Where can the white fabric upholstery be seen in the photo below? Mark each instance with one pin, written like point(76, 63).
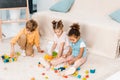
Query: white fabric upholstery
point(99, 31)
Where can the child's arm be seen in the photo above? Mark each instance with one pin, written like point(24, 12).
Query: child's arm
point(14, 40)
point(12, 50)
point(53, 47)
point(80, 54)
point(37, 41)
point(39, 50)
point(78, 57)
point(61, 49)
point(68, 53)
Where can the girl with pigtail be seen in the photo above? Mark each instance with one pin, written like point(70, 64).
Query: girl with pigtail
point(76, 55)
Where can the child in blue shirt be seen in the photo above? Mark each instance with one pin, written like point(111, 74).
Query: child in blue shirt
point(76, 55)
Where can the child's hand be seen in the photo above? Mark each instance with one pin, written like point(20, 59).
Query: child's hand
point(58, 56)
point(64, 55)
point(70, 62)
point(12, 54)
point(41, 51)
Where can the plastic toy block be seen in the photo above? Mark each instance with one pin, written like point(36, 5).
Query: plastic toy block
point(18, 53)
point(92, 71)
point(10, 60)
point(86, 72)
point(39, 63)
point(78, 69)
point(65, 66)
point(54, 54)
point(46, 77)
point(79, 76)
point(56, 71)
point(3, 57)
point(43, 74)
point(32, 78)
point(61, 68)
point(48, 57)
point(84, 79)
point(87, 76)
point(75, 73)
point(6, 60)
point(65, 76)
point(6, 56)
point(52, 68)
point(14, 59)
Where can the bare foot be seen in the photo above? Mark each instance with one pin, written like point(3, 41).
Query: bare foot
point(32, 55)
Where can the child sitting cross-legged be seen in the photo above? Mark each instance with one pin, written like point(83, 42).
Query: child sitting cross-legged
point(76, 55)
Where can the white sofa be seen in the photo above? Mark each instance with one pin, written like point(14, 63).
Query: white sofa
point(100, 32)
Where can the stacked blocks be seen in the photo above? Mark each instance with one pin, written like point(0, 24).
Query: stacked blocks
point(7, 58)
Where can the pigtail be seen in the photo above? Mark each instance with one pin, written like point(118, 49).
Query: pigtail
point(75, 26)
point(60, 24)
point(75, 30)
point(57, 25)
point(54, 24)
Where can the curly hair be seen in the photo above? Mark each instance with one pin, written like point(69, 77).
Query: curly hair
point(31, 25)
point(74, 30)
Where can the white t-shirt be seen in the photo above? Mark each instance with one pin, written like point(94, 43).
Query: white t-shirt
point(82, 45)
point(61, 39)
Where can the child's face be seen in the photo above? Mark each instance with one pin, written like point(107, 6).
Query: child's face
point(28, 31)
point(73, 39)
point(58, 32)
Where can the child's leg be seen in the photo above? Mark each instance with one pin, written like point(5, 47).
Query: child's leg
point(60, 60)
point(79, 62)
point(57, 61)
point(29, 50)
point(22, 42)
point(72, 69)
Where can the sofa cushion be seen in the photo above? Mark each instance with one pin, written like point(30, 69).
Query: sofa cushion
point(62, 6)
point(115, 15)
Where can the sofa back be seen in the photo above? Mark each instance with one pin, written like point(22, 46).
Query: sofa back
point(101, 35)
point(95, 7)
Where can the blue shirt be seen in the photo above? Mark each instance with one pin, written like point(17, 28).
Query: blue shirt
point(76, 48)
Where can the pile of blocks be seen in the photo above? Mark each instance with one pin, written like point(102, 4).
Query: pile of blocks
point(6, 58)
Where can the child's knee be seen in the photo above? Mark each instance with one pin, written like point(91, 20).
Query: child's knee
point(22, 41)
point(29, 52)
